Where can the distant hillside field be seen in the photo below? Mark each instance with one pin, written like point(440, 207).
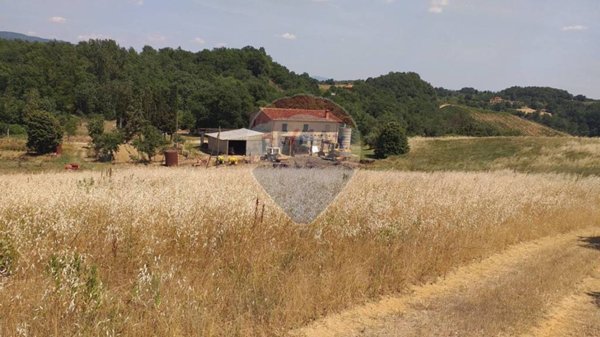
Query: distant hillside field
point(575, 114)
point(523, 154)
point(505, 123)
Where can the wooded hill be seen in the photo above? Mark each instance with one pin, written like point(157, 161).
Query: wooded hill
point(558, 109)
point(219, 87)
point(222, 87)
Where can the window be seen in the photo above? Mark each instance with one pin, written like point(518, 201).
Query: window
point(284, 127)
point(305, 128)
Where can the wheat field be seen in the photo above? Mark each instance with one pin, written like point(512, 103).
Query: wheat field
point(177, 252)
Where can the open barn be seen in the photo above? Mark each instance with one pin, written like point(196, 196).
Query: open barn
point(241, 142)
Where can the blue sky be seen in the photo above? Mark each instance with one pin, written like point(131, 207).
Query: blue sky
point(486, 44)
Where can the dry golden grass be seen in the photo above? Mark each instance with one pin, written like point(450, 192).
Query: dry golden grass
point(505, 121)
point(506, 301)
point(174, 252)
point(577, 315)
point(13, 144)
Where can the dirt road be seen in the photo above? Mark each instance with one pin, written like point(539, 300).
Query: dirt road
point(548, 287)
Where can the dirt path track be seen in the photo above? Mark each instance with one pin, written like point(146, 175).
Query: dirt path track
point(540, 288)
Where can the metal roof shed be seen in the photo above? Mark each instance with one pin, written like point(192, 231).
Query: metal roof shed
point(237, 142)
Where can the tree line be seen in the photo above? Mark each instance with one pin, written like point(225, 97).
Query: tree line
point(173, 88)
point(210, 88)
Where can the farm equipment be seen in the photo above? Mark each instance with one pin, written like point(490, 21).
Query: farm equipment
point(274, 155)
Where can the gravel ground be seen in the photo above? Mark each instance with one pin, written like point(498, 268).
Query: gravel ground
point(303, 193)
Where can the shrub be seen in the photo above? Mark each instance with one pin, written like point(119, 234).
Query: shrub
point(69, 123)
point(391, 140)
point(149, 141)
point(12, 129)
point(95, 126)
point(75, 281)
point(44, 132)
point(107, 144)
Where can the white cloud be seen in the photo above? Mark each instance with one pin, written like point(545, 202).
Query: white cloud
point(221, 45)
point(573, 28)
point(138, 2)
point(86, 37)
point(199, 40)
point(57, 19)
point(156, 38)
point(288, 36)
point(437, 6)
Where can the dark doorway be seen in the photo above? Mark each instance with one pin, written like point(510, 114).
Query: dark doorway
point(237, 147)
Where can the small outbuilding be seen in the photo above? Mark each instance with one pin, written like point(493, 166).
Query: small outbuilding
point(241, 142)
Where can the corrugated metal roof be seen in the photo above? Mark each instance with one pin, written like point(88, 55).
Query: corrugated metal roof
point(239, 134)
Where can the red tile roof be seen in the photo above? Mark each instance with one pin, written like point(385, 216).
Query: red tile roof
point(300, 114)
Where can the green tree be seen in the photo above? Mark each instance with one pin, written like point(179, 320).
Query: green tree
point(391, 140)
point(44, 132)
point(186, 119)
point(149, 141)
point(132, 123)
point(95, 126)
point(32, 102)
point(69, 124)
point(107, 144)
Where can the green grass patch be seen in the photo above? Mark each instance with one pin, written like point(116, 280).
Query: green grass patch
point(14, 158)
point(522, 154)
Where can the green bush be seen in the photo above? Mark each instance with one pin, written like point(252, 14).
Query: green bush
point(149, 141)
point(44, 132)
point(391, 140)
point(107, 144)
point(75, 279)
point(95, 126)
point(12, 129)
point(69, 123)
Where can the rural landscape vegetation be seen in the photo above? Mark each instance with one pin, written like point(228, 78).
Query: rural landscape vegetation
point(458, 212)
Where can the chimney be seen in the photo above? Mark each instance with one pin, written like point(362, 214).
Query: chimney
point(326, 114)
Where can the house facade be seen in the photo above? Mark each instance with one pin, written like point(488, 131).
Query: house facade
point(298, 130)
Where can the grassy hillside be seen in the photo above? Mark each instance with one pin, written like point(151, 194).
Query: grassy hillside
point(500, 123)
point(522, 154)
point(575, 114)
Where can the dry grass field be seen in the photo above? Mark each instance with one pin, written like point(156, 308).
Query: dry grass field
point(518, 292)
point(178, 252)
point(573, 155)
point(506, 121)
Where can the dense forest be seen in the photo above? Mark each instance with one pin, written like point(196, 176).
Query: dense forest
point(223, 87)
point(217, 88)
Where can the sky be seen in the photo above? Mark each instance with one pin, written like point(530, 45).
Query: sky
point(485, 44)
